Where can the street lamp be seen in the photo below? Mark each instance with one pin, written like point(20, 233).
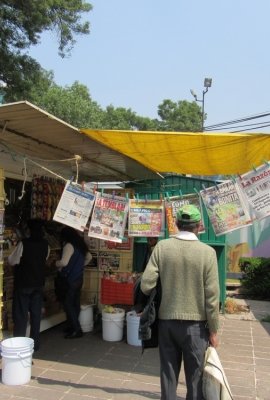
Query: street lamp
point(207, 85)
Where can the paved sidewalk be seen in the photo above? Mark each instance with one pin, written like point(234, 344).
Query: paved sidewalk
point(90, 368)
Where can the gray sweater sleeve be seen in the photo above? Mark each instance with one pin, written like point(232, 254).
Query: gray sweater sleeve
point(212, 294)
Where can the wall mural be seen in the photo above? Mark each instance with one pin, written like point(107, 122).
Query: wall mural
point(251, 241)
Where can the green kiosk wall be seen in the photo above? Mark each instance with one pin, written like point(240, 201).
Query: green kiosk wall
point(174, 185)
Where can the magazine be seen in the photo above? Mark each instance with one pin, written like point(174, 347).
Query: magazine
point(172, 205)
point(146, 218)
point(109, 218)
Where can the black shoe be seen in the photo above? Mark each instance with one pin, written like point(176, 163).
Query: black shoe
point(67, 330)
point(74, 335)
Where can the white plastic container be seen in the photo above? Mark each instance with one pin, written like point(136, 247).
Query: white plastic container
point(133, 322)
point(86, 317)
point(113, 325)
point(17, 360)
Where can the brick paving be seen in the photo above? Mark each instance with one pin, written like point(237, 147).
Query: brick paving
point(91, 368)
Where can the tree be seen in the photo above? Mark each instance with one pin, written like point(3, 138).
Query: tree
point(36, 83)
point(72, 104)
point(119, 118)
point(181, 116)
point(21, 24)
point(126, 119)
point(146, 124)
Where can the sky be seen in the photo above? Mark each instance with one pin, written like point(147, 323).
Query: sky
point(142, 52)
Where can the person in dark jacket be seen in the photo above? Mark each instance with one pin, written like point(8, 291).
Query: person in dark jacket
point(29, 258)
point(151, 242)
point(75, 256)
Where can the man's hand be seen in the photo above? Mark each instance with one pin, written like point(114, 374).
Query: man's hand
point(213, 339)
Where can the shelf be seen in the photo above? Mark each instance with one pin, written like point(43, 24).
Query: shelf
point(49, 322)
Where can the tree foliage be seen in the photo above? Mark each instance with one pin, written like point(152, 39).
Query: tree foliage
point(21, 24)
point(126, 119)
point(180, 116)
point(119, 118)
point(73, 104)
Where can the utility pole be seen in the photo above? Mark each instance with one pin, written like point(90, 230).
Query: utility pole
point(207, 85)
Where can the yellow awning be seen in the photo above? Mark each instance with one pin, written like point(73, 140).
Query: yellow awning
point(189, 153)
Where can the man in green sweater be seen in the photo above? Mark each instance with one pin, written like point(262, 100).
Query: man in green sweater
point(189, 309)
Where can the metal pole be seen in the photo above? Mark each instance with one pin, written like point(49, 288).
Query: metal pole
point(204, 91)
point(203, 110)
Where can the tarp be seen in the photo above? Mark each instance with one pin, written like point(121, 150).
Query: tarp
point(189, 153)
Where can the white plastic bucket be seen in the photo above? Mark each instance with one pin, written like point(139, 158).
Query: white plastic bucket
point(86, 317)
point(133, 322)
point(16, 360)
point(113, 325)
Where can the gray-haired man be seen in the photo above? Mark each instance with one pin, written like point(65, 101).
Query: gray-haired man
point(189, 309)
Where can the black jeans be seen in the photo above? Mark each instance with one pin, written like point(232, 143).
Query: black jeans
point(187, 341)
point(72, 305)
point(27, 300)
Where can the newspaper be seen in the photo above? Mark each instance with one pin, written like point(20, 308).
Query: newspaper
point(255, 185)
point(75, 206)
point(225, 207)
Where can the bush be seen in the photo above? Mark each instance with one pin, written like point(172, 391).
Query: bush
point(256, 277)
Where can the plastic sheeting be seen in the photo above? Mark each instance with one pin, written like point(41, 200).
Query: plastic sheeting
point(189, 153)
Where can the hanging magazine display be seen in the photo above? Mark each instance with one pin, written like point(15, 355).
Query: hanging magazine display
point(172, 205)
point(225, 207)
point(75, 206)
point(256, 188)
point(109, 218)
point(146, 218)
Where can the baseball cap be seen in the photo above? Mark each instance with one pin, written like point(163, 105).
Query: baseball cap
point(189, 214)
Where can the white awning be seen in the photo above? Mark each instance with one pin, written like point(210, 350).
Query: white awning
point(26, 131)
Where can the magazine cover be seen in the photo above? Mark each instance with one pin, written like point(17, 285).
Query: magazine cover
point(126, 244)
point(172, 205)
point(255, 185)
point(109, 218)
point(75, 206)
point(146, 218)
point(108, 261)
point(225, 207)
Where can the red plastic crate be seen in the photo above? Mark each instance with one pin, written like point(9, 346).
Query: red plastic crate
point(116, 292)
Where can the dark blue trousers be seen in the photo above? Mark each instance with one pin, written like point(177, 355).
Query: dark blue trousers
point(180, 341)
point(72, 305)
point(27, 300)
